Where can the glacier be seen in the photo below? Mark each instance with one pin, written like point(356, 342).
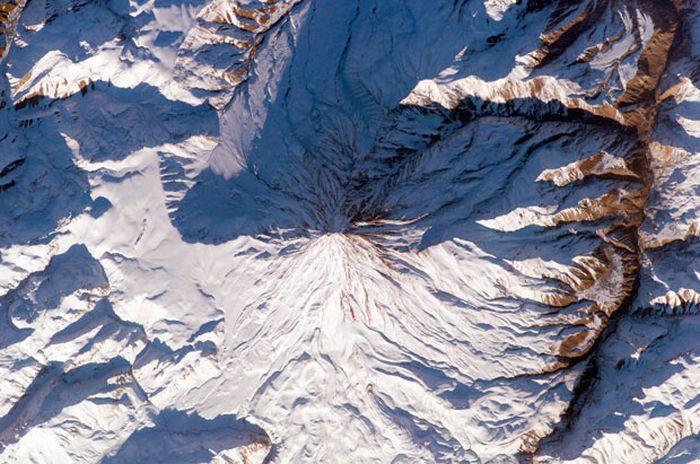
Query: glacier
point(396, 231)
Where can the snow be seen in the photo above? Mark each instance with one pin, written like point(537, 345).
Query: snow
point(304, 231)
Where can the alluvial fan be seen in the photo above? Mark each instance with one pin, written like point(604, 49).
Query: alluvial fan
point(358, 231)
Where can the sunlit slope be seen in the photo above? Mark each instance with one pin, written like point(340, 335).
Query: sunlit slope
point(357, 231)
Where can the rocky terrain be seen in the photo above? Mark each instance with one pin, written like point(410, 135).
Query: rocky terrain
point(357, 231)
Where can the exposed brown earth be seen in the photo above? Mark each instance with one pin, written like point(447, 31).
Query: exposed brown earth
point(624, 245)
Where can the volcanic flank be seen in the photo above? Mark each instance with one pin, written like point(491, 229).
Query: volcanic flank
point(361, 231)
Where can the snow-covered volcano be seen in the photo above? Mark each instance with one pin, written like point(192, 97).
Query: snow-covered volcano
point(350, 231)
